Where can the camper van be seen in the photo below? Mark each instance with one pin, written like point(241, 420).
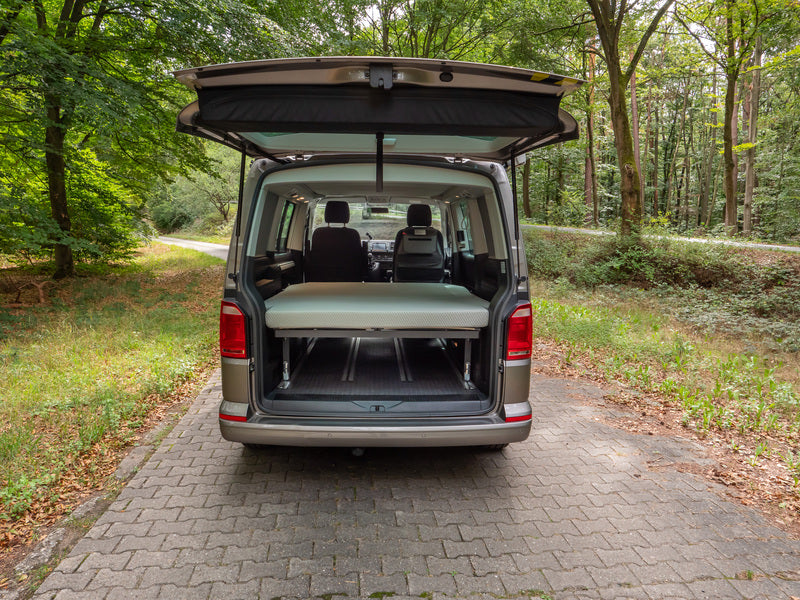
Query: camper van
point(376, 288)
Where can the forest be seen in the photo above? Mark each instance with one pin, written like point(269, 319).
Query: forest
point(689, 114)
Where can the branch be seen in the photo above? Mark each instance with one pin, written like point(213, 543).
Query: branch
point(603, 25)
point(699, 42)
point(582, 19)
point(597, 53)
point(646, 38)
point(41, 16)
point(66, 10)
point(618, 25)
point(75, 18)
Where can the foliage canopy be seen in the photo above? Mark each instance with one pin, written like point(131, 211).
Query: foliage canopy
point(87, 118)
point(88, 148)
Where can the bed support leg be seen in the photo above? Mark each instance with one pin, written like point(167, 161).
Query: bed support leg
point(468, 364)
point(284, 384)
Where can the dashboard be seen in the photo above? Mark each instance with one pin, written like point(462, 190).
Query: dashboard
point(381, 259)
point(380, 247)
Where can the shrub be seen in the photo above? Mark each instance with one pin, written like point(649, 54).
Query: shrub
point(589, 261)
point(570, 210)
point(168, 216)
point(548, 256)
point(714, 288)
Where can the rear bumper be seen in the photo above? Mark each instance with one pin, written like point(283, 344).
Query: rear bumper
point(286, 434)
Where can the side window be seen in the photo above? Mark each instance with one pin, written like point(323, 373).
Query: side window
point(463, 228)
point(319, 216)
point(283, 228)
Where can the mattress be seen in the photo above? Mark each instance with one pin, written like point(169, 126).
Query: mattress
point(373, 305)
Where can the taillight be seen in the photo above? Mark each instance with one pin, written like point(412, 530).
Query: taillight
point(232, 340)
point(520, 333)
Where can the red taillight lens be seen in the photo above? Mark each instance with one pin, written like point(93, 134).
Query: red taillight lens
point(519, 419)
point(236, 418)
point(232, 341)
point(520, 333)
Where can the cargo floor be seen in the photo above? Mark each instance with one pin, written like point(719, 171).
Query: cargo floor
point(408, 369)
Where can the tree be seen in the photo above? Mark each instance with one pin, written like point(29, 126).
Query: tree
point(681, 99)
point(86, 82)
point(610, 18)
point(776, 200)
point(753, 98)
point(526, 188)
point(195, 197)
point(319, 27)
point(727, 31)
point(452, 29)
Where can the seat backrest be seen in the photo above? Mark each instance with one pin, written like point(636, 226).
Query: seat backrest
point(419, 248)
point(336, 252)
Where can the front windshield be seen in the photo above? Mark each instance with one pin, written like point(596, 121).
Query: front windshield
point(382, 221)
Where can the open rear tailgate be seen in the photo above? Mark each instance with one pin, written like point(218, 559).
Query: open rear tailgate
point(287, 107)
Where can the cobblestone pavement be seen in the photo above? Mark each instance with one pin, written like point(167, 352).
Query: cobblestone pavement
point(574, 512)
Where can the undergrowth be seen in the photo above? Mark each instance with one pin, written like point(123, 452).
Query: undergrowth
point(208, 230)
point(82, 372)
point(713, 330)
point(715, 289)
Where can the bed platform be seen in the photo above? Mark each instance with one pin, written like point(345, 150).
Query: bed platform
point(373, 309)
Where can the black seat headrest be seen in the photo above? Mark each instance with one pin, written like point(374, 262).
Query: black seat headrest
point(337, 211)
point(419, 215)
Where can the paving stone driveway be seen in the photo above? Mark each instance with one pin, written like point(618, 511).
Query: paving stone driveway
point(574, 512)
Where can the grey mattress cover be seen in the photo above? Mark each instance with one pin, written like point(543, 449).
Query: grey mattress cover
point(374, 305)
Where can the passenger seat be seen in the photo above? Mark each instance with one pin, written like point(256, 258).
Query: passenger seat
point(336, 252)
point(419, 248)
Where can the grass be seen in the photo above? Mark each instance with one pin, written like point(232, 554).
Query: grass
point(717, 387)
point(712, 331)
point(82, 373)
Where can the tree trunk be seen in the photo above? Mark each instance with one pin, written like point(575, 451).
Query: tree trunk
point(608, 18)
point(656, 133)
point(752, 135)
point(386, 12)
point(706, 199)
point(526, 188)
point(673, 165)
point(590, 175)
point(728, 131)
point(547, 196)
point(714, 192)
point(635, 124)
point(687, 176)
point(587, 183)
point(629, 185)
point(695, 166)
point(590, 168)
point(648, 130)
point(57, 188)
